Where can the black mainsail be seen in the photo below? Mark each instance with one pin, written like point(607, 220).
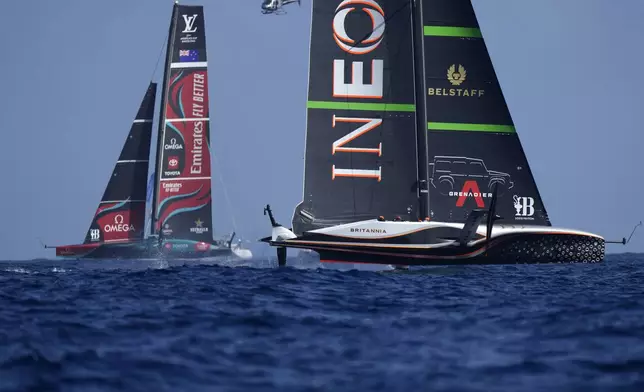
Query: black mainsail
point(120, 215)
point(360, 159)
point(472, 143)
point(405, 98)
point(182, 206)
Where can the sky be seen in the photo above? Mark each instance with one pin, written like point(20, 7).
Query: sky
point(73, 73)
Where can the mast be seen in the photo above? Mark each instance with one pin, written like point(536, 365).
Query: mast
point(161, 125)
point(421, 119)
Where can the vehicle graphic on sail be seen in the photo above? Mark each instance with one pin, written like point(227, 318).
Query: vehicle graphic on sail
point(179, 194)
point(449, 173)
point(399, 91)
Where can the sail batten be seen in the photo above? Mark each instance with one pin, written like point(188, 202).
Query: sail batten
point(364, 106)
point(202, 64)
point(122, 201)
point(437, 126)
point(452, 31)
point(170, 120)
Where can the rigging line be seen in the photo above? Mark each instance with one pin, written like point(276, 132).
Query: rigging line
point(384, 22)
point(163, 44)
point(358, 42)
point(223, 187)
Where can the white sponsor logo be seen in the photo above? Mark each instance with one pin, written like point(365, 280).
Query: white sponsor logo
point(187, 37)
point(172, 187)
point(118, 226)
point(524, 207)
point(470, 194)
point(348, 44)
point(369, 230)
point(190, 21)
point(202, 246)
point(356, 87)
point(173, 145)
point(198, 229)
point(95, 234)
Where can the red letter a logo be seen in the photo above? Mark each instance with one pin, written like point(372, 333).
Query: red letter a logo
point(470, 188)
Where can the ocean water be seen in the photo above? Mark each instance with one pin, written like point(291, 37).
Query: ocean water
point(119, 326)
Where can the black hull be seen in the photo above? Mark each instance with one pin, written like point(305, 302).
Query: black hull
point(508, 249)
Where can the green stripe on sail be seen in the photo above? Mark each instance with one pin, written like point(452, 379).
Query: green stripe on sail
point(382, 107)
point(446, 31)
point(436, 126)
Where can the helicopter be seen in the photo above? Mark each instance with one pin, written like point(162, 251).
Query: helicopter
point(276, 6)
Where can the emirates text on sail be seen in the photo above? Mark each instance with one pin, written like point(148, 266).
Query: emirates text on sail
point(198, 91)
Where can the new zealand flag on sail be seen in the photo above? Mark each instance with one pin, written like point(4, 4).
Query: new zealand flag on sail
point(188, 55)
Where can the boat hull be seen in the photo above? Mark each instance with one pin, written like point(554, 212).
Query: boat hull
point(515, 249)
point(436, 243)
point(144, 250)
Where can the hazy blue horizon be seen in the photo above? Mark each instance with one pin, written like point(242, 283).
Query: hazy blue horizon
point(74, 73)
